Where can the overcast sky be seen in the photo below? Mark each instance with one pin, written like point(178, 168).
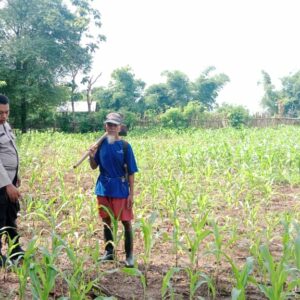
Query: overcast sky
point(240, 38)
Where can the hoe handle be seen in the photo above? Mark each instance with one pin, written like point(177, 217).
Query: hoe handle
point(86, 154)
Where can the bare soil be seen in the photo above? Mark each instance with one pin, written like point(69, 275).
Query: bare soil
point(122, 286)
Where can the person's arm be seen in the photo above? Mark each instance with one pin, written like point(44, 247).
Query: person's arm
point(93, 163)
point(131, 191)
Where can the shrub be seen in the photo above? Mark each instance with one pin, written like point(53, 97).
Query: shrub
point(174, 118)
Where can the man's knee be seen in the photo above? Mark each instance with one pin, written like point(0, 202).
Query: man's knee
point(127, 225)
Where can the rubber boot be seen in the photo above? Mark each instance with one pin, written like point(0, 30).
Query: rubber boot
point(109, 248)
point(129, 261)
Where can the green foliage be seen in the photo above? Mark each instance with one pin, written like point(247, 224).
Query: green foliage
point(193, 112)
point(173, 118)
point(157, 97)
point(288, 96)
point(41, 50)
point(237, 115)
point(178, 85)
point(291, 94)
point(269, 100)
point(206, 88)
point(124, 91)
point(131, 119)
point(81, 122)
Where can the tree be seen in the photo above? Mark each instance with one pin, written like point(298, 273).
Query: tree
point(271, 96)
point(90, 81)
point(40, 43)
point(237, 115)
point(206, 88)
point(157, 97)
point(124, 91)
point(178, 85)
point(290, 94)
point(80, 59)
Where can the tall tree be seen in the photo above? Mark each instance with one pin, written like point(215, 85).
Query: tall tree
point(291, 94)
point(38, 43)
point(271, 96)
point(206, 88)
point(125, 91)
point(80, 59)
point(179, 87)
point(157, 97)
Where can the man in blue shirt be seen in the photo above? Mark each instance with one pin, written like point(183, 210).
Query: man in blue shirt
point(115, 184)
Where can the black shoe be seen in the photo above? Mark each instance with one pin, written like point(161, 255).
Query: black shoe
point(3, 260)
point(129, 262)
point(17, 253)
point(107, 256)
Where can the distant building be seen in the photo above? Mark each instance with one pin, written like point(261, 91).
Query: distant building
point(79, 106)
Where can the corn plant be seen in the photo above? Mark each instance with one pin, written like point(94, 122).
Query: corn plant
point(194, 239)
point(196, 280)
point(277, 286)
point(242, 277)
point(22, 269)
point(43, 273)
point(147, 230)
point(167, 284)
point(76, 279)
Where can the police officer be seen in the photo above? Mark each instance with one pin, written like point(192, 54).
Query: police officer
point(9, 183)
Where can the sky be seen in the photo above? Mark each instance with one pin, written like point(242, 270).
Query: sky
point(239, 38)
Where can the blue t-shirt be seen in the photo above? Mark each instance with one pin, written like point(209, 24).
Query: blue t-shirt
point(110, 158)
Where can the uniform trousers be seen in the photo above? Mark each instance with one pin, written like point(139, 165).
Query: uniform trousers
point(8, 216)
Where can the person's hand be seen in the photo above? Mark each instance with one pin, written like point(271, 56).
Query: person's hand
point(92, 152)
point(130, 201)
point(13, 193)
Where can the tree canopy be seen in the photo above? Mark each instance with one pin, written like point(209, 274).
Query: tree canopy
point(40, 45)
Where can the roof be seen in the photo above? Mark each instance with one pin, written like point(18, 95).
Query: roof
point(79, 106)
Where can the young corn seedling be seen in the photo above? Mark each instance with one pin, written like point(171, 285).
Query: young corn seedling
point(167, 284)
point(76, 279)
point(295, 272)
point(196, 280)
point(43, 273)
point(217, 251)
point(277, 287)
point(147, 230)
point(22, 269)
point(193, 241)
point(242, 277)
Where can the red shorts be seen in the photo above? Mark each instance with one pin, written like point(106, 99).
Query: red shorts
point(118, 207)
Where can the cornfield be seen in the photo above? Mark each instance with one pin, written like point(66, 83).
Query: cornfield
point(216, 217)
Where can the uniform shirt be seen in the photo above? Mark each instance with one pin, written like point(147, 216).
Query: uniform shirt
point(9, 159)
point(110, 158)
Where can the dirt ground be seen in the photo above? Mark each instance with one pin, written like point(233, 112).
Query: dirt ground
point(117, 284)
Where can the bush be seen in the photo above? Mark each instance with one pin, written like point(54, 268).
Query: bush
point(174, 118)
point(237, 115)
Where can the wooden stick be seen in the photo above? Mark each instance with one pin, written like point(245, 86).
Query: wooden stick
point(86, 154)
